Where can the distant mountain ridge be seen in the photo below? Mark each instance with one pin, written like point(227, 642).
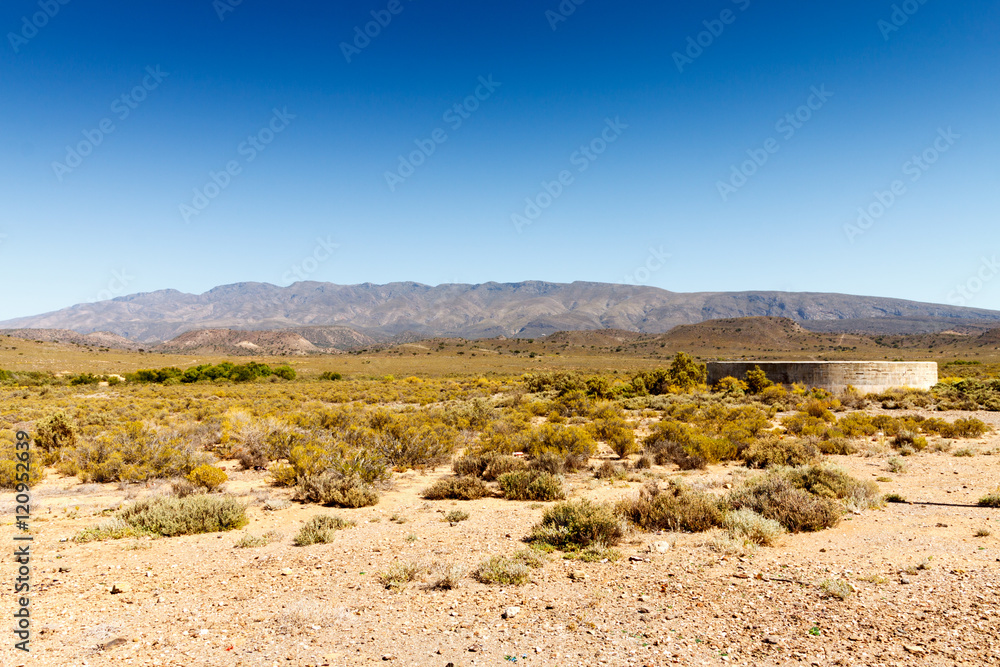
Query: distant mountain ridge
point(358, 315)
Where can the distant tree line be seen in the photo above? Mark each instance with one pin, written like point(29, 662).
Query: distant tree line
point(226, 370)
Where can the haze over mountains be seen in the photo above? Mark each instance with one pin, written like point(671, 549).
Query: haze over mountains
point(326, 315)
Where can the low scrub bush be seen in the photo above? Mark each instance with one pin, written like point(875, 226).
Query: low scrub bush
point(457, 488)
point(676, 508)
point(578, 524)
point(744, 524)
point(609, 470)
point(134, 452)
point(333, 489)
point(399, 574)
point(990, 500)
point(513, 570)
point(835, 483)
point(168, 516)
point(774, 451)
point(774, 497)
point(208, 477)
point(320, 529)
point(455, 516)
point(530, 485)
point(11, 458)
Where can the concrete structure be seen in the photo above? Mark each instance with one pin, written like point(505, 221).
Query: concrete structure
point(865, 376)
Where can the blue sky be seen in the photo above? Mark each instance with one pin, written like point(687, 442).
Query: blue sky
point(642, 143)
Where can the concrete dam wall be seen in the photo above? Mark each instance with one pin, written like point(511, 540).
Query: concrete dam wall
point(865, 376)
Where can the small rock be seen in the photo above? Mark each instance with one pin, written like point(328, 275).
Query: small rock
point(286, 571)
point(577, 575)
point(915, 650)
point(771, 639)
point(121, 588)
point(645, 610)
point(903, 579)
point(645, 598)
point(114, 643)
point(388, 656)
point(475, 648)
point(638, 559)
point(511, 612)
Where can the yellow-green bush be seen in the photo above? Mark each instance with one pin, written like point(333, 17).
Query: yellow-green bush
point(133, 452)
point(208, 477)
point(10, 456)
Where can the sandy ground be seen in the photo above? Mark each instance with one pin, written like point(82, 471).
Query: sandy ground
point(197, 600)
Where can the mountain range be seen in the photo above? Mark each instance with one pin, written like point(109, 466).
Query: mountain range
point(327, 315)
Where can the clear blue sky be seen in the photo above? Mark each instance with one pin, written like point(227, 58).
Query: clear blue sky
point(78, 228)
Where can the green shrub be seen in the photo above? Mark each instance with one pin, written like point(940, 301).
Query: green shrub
point(856, 424)
point(559, 440)
point(831, 482)
point(55, 432)
point(167, 516)
point(249, 541)
point(320, 529)
point(457, 488)
point(775, 497)
point(731, 386)
point(455, 516)
point(549, 462)
point(906, 438)
point(514, 570)
point(748, 525)
point(675, 508)
point(774, 451)
point(334, 489)
point(10, 457)
point(133, 452)
point(208, 477)
point(838, 446)
point(399, 574)
point(609, 470)
point(990, 500)
point(530, 485)
point(502, 464)
point(578, 524)
point(756, 380)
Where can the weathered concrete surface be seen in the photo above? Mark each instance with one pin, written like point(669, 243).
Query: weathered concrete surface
point(865, 376)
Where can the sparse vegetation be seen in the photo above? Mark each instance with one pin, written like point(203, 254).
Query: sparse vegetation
point(513, 570)
point(675, 508)
point(576, 525)
point(320, 529)
point(168, 516)
point(458, 488)
point(399, 574)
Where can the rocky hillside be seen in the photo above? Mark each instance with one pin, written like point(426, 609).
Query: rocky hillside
point(526, 309)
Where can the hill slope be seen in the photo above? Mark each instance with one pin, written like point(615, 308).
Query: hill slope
point(524, 309)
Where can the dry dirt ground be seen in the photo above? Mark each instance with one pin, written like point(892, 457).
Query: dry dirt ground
point(198, 600)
